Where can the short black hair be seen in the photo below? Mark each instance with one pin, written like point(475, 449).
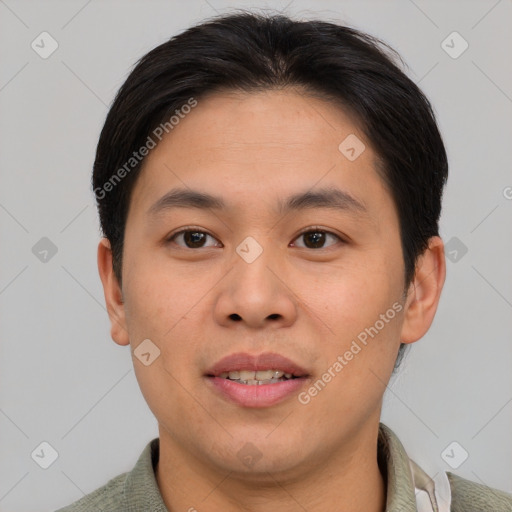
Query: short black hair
point(250, 52)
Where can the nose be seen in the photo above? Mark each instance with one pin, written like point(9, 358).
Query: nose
point(256, 293)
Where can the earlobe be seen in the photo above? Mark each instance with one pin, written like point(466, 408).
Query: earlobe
point(424, 292)
point(113, 294)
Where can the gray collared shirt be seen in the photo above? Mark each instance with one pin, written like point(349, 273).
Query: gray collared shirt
point(137, 490)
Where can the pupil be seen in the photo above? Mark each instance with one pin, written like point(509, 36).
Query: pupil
point(194, 237)
point(317, 237)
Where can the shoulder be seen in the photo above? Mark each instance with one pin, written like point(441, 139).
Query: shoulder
point(468, 496)
point(105, 498)
point(131, 491)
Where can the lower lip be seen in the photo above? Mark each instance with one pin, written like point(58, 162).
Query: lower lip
point(263, 395)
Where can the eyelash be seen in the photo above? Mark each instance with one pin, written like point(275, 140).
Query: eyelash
point(313, 229)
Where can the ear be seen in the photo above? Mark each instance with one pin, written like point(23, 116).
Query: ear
point(113, 294)
point(424, 291)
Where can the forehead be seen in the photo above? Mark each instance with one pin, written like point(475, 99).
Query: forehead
point(247, 145)
point(284, 121)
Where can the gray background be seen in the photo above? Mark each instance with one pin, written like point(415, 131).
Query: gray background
point(64, 381)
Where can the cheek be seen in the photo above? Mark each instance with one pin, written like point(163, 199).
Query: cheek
point(157, 309)
point(156, 297)
point(163, 305)
point(351, 296)
point(361, 304)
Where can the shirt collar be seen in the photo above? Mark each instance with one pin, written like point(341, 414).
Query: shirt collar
point(394, 463)
point(141, 490)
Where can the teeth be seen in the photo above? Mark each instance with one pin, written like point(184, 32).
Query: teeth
point(255, 377)
point(254, 382)
point(258, 375)
point(243, 375)
point(264, 374)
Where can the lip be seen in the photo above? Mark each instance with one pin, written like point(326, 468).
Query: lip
point(264, 361)
point(264, 395)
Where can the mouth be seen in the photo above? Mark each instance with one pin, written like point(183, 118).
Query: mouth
point(256, 380)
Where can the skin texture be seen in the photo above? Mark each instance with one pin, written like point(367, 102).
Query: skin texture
point(305, 303)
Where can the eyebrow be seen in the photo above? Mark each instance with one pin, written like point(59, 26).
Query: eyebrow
point(332, 198)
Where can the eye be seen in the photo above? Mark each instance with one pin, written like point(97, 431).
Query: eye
point(196, 239)
point(315, 238)
point(193, 238)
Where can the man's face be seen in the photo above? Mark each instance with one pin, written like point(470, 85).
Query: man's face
point(251, 278)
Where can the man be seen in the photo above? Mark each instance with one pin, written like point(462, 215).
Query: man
point(269, 191)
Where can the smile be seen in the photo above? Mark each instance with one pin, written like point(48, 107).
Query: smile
point(257, 378)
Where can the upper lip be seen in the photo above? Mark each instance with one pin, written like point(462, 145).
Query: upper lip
point(264, 361)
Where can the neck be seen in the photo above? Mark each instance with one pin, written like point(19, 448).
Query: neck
point(349, 478)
